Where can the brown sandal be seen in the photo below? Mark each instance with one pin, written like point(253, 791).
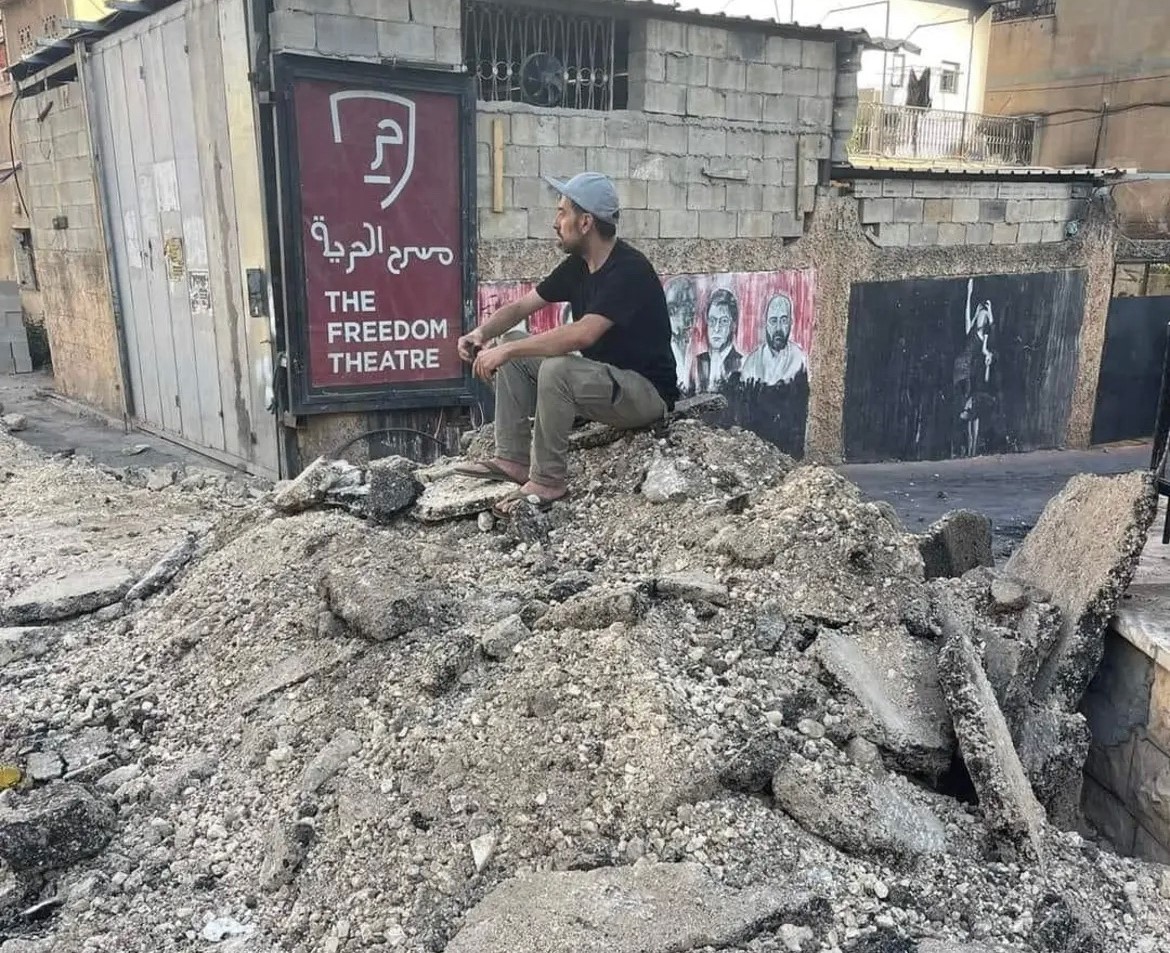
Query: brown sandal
point(486, 470)
point(506, 506)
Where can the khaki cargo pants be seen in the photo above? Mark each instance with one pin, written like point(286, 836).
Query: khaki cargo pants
point(556, 391)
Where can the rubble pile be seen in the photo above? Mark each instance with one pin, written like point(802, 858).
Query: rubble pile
point(711, 702)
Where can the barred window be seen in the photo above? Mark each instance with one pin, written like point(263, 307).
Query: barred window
point(523, 55)
point(948, 78)
point(1023, 9)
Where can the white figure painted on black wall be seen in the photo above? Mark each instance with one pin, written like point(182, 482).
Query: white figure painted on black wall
point(778, 359)
point(975, 373)
point(682, 303)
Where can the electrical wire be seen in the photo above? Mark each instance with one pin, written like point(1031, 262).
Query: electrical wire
point(12, 150)
point(341, 448)
point(1086, 85)
point(1094, 115)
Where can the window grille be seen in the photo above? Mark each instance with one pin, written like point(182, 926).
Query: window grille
point(948, 78)
point(1023, 9)
point(898, 72)
point(523, 55)
point(27, 47)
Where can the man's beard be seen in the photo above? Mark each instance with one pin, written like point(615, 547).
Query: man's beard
point(776, 343)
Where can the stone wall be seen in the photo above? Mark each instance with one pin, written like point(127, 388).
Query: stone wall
point(925, 211)
point(1127, 777)
point(74, 301)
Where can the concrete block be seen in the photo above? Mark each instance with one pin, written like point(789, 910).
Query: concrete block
point(448, 46)
point(956, 190)
point(743, 144)
point(897, 188)
point(706, 196)
point(658, 98)
point(799, 81)
point(521, 162)
point(928, 188)
point(622, 131)
point(1076, 210)
point(746, 45)
point(562, 161)
point(827, 83)
point(503, 225)
point(778, 198)
point(443, 13)
point(713, 224)
point(1031, 233)
point(404, 41)
point(768, 172)
point(528, 194)
point(762, 78)
point(950, 233)
point(612, 162)
point(1047, 210)
point(397, 10)
point(632, 193)
point(666, 195)
point(665, 36)
point(874, 211)
point(1053, 232)
point(1003, 233)
point(676, 223)
point(689, 70)
point(648, 65)
point(937, 210)
point(704, 103)
point(291, 30)
point(894, 234)
point(582, 130)
point(980, 233)
point(779, 108)
point(1150, 786)
point(818, 55)
point(783, 51)
point(965, 210)
point(483, 191)
point(984, 190)
point(742, 197)
point(538, 129)
point(867, 188)
point(924, 234)
point(707, 41)
point(640, 223)
point(807, 198)
point(815, 111)
point(540, 225)
point(755, 224)
point(354, 36)
point(728, 75)
point(1017, 211)
point(706, 141)
point(653, 167)
point(484, 122)
point(670, 138)
point(908, 211)
point(745, 107)
point(816, 146)
point(82, 239)
point(787, 225)
point(993, 211)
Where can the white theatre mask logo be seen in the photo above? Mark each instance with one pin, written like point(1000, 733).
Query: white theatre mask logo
point(393, 139)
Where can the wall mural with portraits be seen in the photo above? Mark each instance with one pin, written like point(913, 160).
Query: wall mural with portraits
point(746, 335)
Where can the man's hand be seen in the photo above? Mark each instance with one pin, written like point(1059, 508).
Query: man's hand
point(470, 344)
point(489, 360)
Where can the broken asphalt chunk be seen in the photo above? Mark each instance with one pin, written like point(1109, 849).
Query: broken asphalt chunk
point(51, 600)
point(53, 827)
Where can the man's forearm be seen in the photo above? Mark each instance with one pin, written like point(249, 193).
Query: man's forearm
point(563, 340)
point(501, 322)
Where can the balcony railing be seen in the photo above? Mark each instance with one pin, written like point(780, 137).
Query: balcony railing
point(911, 135)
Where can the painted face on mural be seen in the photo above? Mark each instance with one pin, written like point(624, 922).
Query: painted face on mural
point(778, 322)
point(722, 319)
point(680, 302)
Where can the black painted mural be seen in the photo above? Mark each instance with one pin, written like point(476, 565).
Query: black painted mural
point(1131, 369)
point(958, 367)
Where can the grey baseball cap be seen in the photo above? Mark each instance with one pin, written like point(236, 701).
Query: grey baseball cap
point(593, 192)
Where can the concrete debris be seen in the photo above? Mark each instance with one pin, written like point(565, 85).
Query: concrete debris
point(51, 600)
point(375, 608)
point(53, 827)
point(14, 423)
point(160, 478)
point(858, 814)
point(1084, 550)
point(1061, 925)
point(894, 678)
point(646, 908)
point(313, 483)
point(393, 488)
point(957, 543)
point(665, 483)
point(1009, 806)
point(457, 496)
point(710, 724)
point(693, 585)
point(18, 643)
point(1053, 748)
point(164, 570)
point(1008, 595)
point(222, 928)
point(499, 641)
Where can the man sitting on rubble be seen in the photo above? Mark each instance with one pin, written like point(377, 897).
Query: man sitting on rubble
point(611, 364)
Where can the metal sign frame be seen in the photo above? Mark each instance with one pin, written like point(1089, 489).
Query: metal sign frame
point(304, 398)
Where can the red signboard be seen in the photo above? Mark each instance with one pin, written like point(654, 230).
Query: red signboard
point(382, 235)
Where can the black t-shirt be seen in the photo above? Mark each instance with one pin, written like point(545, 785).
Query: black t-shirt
point(628, 292)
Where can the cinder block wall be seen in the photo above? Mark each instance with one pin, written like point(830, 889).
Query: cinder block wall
point(723, 140)
point(75, 304)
